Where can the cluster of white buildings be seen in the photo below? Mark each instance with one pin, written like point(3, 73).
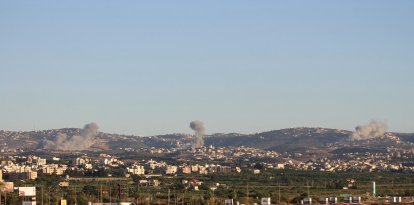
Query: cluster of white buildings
point(27, 168)
point(154, 167)
point(371, 162)
point(87, 163)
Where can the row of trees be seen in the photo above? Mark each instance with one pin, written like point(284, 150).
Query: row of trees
point(280, 185)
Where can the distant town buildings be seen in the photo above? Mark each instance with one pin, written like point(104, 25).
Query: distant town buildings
point(138, 170)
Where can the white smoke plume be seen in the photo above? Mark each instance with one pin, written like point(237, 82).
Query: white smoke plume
point(199, 129)
point(372, 130)
point(77, 142)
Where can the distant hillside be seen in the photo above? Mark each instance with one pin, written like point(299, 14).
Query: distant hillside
point(285, 140)
point(407, 137)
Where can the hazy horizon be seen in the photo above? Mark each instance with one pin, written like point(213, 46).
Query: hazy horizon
point(192, 132)
point(148, 68)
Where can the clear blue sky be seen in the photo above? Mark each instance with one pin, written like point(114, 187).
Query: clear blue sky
point(151, 67)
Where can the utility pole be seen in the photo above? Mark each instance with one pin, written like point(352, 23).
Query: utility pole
point(175, 197)
point(279, 192)
point(182, 200)
point(49, 197)
point(76, 200)
point(138, 194)
point(247, 187)
point(308, 188)
point(213, 196)
point(168, 196)
point(41, 189)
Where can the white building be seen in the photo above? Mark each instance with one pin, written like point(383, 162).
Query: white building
point(265, 201)
point(138, 170)
point(80, 161)
point(171, 169)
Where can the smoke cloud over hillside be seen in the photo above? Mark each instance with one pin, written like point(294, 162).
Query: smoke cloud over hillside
point(372, 130)
point(77, 142)
point(199, 129)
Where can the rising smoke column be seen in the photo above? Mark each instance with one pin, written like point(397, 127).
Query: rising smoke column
point(77, 142)
point(199, 129)
point(372, 130)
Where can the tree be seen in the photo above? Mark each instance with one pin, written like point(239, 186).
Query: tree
point(258, 166)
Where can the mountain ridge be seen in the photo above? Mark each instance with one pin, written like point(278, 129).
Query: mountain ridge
point(297, 139)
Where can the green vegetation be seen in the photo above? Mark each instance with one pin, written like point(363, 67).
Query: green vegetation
point(283, 185)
